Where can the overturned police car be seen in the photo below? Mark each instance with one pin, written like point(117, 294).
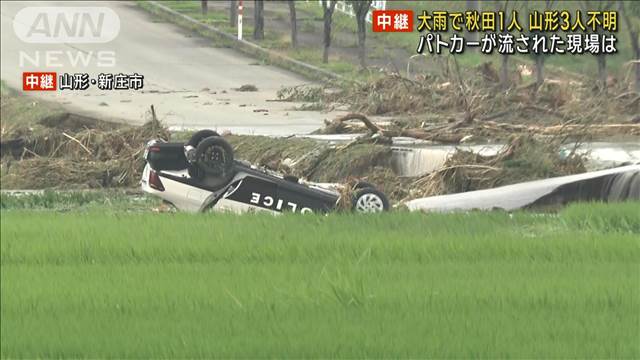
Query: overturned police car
point(202, 175)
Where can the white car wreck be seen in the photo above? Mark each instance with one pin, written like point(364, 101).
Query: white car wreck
point(202, 175)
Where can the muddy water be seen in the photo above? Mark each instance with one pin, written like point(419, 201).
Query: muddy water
point(622, 187)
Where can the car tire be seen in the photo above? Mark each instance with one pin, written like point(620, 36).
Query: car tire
point(201, 135)
point(195, 172)
point(214, 156)
point(370, 200)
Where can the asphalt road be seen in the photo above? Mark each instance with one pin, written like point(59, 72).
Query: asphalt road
point(189, 80)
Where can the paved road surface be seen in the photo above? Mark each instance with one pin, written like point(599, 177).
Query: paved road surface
point(185, 76)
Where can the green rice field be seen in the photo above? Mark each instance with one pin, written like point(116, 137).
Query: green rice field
point(116, 284)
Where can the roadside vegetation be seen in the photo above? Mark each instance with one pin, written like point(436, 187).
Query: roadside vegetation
point(342, 51)
point(98, 284)
point(98, 200)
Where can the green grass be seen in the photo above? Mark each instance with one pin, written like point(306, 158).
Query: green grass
point(88, 200)
point(493, 285)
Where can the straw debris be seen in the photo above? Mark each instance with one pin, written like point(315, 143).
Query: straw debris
point(75, 151)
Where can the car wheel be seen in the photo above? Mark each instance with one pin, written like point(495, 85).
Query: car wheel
point(214, 156)
point(370, 200)
point(201, 135)
point(195, 172)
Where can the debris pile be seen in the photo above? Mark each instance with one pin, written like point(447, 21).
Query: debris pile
point(95, 158)
point(72, 151)
point(469, 130)
point(523, 159)
point(312, 160)
point(456, 103)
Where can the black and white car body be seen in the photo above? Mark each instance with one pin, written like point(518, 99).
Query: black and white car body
point(202, 175)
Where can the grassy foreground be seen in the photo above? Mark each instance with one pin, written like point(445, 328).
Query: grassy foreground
point(95, 284)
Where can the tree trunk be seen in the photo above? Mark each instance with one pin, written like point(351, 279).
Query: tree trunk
point(204, 7)
point(539, 71)
point(328, 7)
point(472, 35)
point(629, 10)
point(258, 28)
point(294, 23)
point(361, 9)
point(327, 38)
point(362, 35)
point(602, 72)
point(233, 13)
point(504, 72)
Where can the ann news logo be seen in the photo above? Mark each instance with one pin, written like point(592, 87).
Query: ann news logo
point(392, 20)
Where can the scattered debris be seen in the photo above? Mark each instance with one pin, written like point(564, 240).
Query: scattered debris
point(473, 96)
point(456, 132)
point(247, 88)
point(525, 158)
point(301, 93)
point(73, 151)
